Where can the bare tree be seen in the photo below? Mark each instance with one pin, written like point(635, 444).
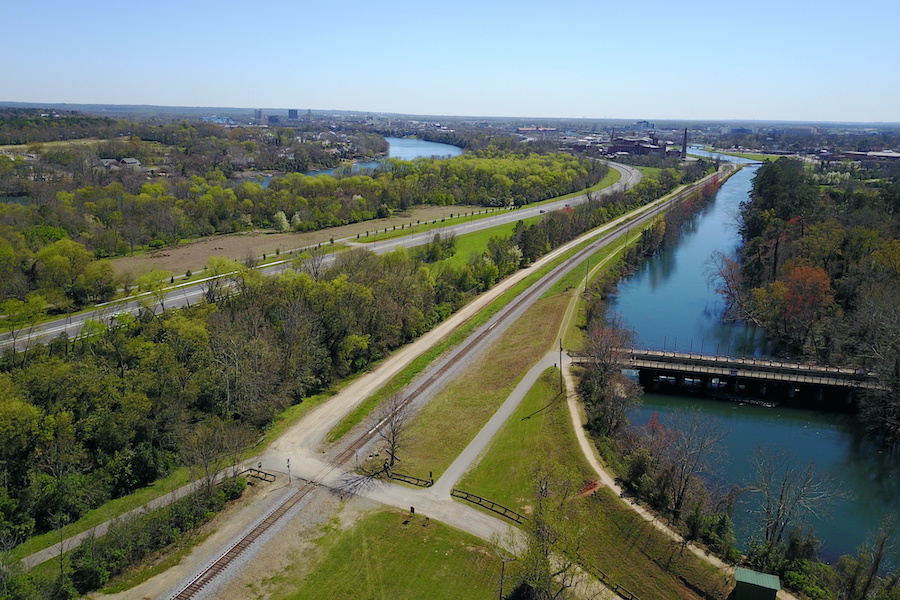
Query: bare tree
point(553, 535)
point(723, 273)
point(789, 491)
point(859, 575)
point(312, 262)
point(206, 451)
point(608, 394)
point(694, 447)
point(393, 427)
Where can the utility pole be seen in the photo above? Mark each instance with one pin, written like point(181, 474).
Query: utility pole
point(560, 366)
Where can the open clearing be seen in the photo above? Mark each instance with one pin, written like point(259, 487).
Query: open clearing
point(238, 246)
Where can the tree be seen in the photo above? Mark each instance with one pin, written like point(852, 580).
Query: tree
point(217, 267)
point(788, 492)
point(858, 575)
point(393, 427)
point(608, 394)
point(877, 325)
point(694, 447)
point(21, 315)
point(154, 284)
point(60, 264)
point(553, 535)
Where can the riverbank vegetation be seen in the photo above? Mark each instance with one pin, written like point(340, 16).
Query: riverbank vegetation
point(819, 271)
point(670, 465)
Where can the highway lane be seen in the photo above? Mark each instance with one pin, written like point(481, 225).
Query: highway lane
point(186, 294)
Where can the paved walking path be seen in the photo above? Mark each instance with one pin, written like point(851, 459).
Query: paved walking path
point(470, 455)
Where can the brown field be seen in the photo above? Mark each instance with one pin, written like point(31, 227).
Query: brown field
point(239, 246)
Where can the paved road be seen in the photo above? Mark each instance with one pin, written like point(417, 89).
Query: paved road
point(192, 293)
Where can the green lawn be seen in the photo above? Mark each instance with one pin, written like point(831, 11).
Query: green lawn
point(649, 171)
point(388, 556)
point(476, 243)
point(469, 401)
point(538, 429)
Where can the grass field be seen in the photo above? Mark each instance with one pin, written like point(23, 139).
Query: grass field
point(539, 429)
point(447, 424)
point(388, 556)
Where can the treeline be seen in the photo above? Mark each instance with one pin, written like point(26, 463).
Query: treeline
point(29, 125)
point(469, 140)
point(820, 272)
point(179, 151)
point(97, 560)
point(50, 248)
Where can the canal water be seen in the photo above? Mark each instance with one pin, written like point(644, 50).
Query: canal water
point(669, 305)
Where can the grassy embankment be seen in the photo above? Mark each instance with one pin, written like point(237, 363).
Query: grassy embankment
point(631, 551)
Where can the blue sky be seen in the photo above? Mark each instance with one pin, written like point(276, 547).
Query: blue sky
point(638, 59)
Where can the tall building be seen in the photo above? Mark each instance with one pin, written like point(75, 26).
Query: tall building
point(292, 114)
point(257, 114)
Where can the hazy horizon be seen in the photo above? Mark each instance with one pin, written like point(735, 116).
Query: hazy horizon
point(793, 62)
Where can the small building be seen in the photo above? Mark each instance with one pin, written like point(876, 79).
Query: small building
point(132, 163)
point(752, 585)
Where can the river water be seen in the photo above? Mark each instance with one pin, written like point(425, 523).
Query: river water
point(669, 305)
point(403, 149)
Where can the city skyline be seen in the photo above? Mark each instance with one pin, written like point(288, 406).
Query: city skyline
point(767, 62)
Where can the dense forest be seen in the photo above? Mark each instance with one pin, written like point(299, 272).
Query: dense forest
point(820, 272)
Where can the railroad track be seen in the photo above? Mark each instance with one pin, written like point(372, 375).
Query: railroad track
point(460, 353)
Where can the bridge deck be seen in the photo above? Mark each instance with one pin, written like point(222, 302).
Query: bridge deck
point(747, 368)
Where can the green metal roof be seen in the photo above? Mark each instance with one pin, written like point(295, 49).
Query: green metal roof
point(759, 579)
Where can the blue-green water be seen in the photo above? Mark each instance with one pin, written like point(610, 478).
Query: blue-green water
point(403, 149)
point(669, 298)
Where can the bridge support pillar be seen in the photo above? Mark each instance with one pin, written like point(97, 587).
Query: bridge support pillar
point(763, 389)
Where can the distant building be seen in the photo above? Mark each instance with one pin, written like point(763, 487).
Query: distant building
point(131, 163)
point(274, 119)
point(257, 114)
point(292, 114)
point(640, 146)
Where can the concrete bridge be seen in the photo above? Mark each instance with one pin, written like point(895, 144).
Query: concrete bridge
point(725, 375)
